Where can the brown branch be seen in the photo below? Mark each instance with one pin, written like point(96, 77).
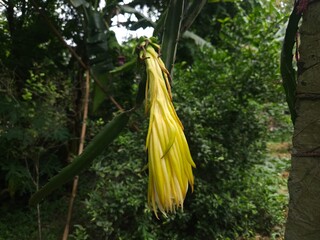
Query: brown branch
point(116, 103)
point(106, 92)
point(81, 146)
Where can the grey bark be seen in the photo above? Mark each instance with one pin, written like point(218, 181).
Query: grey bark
point(303, 221)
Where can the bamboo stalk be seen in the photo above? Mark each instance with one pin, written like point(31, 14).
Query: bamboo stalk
point(38, 205)
point(35, 181)
point(81, 146)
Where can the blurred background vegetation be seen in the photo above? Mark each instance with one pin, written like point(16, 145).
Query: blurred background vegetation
point(227, 92)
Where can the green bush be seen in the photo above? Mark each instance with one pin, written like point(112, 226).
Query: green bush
point(227, 130)
point(225, 101)
point(33, 129)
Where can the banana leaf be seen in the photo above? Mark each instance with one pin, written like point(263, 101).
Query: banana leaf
point(102, 49)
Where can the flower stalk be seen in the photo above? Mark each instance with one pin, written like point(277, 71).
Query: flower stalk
point(169, 159)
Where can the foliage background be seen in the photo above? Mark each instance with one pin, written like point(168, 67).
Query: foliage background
point(228, 97)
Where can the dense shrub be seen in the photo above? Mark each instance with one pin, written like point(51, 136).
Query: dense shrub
point(225, 101)
point(226, 128)
point(33, 129)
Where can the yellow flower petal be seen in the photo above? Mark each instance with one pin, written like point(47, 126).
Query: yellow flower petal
point(170, 162)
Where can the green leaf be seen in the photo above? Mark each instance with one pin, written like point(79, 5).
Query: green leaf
point(191, 13)
point(102, 48)
point(139, 15)
point(125, 67)
point(78, 3)
point(83, 161)
point(99, 92)
point(160, 24)
point(171, 33)
point(197, 39)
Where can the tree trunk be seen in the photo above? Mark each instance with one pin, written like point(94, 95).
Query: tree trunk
point(303, 221)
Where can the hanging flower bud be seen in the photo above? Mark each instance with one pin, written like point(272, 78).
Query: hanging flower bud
point(169, 160)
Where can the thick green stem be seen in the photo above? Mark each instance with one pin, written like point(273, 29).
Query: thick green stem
point(287, 72)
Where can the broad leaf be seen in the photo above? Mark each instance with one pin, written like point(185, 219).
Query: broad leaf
point(197, 39)
point(102, 46)
point(171, 33)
